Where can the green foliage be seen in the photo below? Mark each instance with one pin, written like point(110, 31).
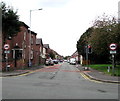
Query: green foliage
point(83, 41)
point(10, 21)
point(103, 68)
point(66, 57)
point(105, 31)
point(52, 55)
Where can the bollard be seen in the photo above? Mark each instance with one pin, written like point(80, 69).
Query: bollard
point(108, 69)
point(8, 67)
point(86, 68)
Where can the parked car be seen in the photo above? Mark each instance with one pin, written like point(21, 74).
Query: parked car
point(61, 61)
point(49, 62)
point(65, 60)
point(72, 61)
point(55, 61)
point(68, 61)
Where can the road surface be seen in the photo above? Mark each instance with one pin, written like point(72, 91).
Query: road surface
point(61, 81)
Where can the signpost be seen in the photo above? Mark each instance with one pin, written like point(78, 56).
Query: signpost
point(87, 51)
point(6, 47)
point(113, 48)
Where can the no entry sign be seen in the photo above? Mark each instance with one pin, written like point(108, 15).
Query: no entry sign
point(113, 46)
point(6, 46)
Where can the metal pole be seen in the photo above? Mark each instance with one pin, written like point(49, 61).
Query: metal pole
point(6, 62)
point(113, 64)
point(30, 41)
point(30, 37)
point(86, 55)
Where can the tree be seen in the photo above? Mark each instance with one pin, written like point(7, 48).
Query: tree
point(104, 31)
point(66, 57)
point(52, 55)
point(83, 41)
point(10, 22)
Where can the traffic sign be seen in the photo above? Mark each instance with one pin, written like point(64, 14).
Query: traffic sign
point(6, 52)
point(89, 49)
point(113, 46)
point(6, 46)
point(113, 52)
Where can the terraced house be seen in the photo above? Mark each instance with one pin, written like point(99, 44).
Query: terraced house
point(21, 49)
point(25, 50)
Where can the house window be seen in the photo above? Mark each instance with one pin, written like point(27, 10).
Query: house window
point(24, 55)
point(24, 35)
point(20, 54)
point(31, 54)
point(32, 40)
point(40, 49)
point(17, 54)
point(24, 44)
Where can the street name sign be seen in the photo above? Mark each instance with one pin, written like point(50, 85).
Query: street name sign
point(113, 52)
point(6, 52)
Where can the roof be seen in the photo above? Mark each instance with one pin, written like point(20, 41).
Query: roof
point(46, 45)
point(39, 41)
point(74, 54)
point(32, 32)
point(23, 24)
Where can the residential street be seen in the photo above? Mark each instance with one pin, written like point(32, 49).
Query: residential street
point(62, 81)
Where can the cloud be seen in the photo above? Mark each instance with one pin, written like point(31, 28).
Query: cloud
point(53, 3)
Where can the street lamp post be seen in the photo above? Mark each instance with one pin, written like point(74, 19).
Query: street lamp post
point(30, 37)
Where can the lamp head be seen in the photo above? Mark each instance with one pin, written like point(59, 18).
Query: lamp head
point(40, 9)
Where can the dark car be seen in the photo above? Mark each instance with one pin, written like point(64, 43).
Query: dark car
point(61, 60)
point(55, 61)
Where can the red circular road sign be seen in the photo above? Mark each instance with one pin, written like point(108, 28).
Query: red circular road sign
point(113, 46)
point(89, 46)
point(6, 46)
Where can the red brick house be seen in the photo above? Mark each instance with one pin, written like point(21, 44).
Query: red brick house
point(18, 51)
point(34, 53)
point(24, 50)
point(46, 46)
point(39, 48)
point(78, 57)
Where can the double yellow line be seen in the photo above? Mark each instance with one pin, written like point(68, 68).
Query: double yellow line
point(30, 72)
point(87, 78)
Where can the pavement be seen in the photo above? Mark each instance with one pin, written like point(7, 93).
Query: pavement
point(90, 73)
point(99, 76)
point(20, 71)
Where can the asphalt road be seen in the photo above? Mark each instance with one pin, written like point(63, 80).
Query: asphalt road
point(61, 81)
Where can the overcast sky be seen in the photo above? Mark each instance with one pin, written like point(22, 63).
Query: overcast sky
point(61, 22)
